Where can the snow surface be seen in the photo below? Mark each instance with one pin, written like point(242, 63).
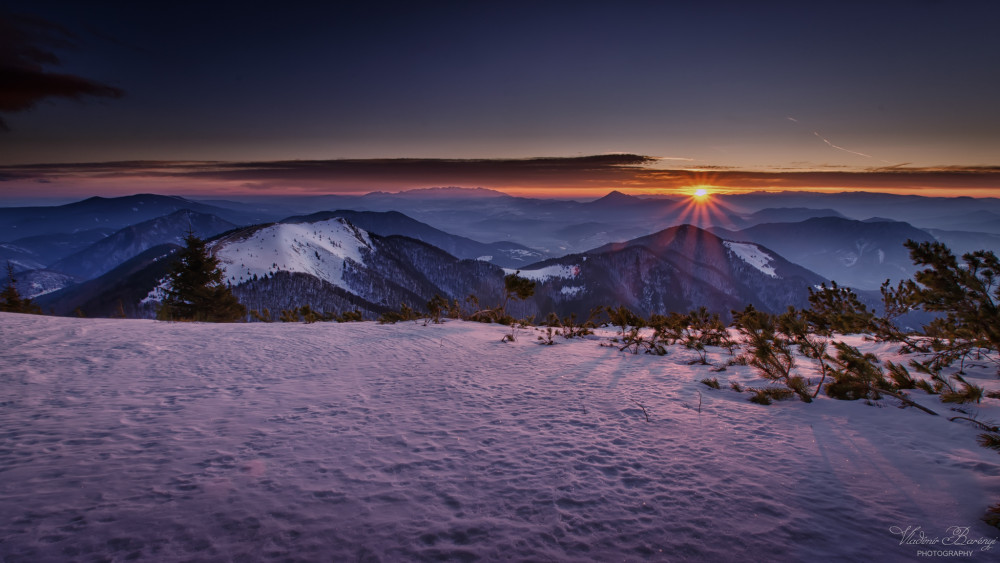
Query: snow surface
point(521, 252)
point(319, 249)
point(753, 255)
point(136, 439)
point(546, 273)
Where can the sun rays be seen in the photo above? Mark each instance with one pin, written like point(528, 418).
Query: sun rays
point(700, 208)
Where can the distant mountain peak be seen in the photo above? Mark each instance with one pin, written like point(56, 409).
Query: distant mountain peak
point(447, 192)
point(616, 197)
point(685, 235)
point(133, 198)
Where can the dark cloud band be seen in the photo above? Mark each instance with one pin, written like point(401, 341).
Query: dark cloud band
point(26, 45)
point(603, 172)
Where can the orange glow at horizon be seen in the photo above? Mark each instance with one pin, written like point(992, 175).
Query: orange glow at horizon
point(293, 178)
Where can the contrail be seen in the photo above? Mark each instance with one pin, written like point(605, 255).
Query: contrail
point(842, 148)
point(838, 147)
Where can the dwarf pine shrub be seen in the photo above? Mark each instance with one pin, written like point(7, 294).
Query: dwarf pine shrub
point(436, 307)
point(515, 288)
point(669, 328)
point(711, 382)
point(953, 388)
point(632, 338)
point(547, 338)
point(634, 341)
point(795, 326)
point(405, 313)
point(900, 376)
point(701, 330)
point(855, 375)
point(350, 316)
point(967, 295)
point(769, 352)
point(571, 328)
point(966, 393)
point(622, 317)
point(837, 309)
point(991, 440)
point(309, 315)
point(767, 395)
point(261, 316)
point(992, 516)
point(896, 302)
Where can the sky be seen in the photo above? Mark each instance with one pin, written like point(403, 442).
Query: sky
point(730, 92)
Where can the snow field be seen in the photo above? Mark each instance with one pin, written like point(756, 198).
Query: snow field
point(546, 273)
point(752, 255)
point(128, 439)
point(318, 249)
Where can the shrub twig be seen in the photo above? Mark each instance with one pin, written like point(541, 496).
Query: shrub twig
point(641, 407)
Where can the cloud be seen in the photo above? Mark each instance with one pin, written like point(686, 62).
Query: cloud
point(400, 173)
point(27, 45)
point(551, 177)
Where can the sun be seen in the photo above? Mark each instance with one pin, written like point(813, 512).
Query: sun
point(701, 193)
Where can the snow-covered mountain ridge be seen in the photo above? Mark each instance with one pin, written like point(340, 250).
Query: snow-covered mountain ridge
point(318, 249)
point(334, 266)
point(676, 269)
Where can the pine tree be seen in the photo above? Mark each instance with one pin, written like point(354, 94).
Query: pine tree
point(515, 288)
point(856, 375)
point(436, 306)
point(770, 353)
point(196, 289)
point(11, 300)
point(837, 309)
point(967, 293)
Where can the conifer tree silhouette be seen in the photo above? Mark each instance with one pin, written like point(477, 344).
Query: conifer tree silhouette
point(11, 300)
point(196, 289)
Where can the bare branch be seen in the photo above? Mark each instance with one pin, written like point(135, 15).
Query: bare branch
point(641, 407)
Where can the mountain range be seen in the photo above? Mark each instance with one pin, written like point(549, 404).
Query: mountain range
point(619, 249)
point(133, 240)
point(486, 215)
point(107, 213)
point(860, 254)
point(333, 265)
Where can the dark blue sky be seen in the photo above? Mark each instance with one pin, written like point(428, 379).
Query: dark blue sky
point(759, 85)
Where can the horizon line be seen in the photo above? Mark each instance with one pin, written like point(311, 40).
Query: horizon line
point(559, 177)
